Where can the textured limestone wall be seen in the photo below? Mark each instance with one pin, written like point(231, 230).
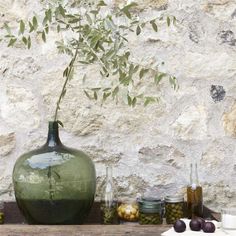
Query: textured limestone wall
point(150, 148)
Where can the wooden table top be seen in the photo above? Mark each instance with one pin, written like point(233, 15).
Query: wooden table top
point(15, 225)
point(82, 230)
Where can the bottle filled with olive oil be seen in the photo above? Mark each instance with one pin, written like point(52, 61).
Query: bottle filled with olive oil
point(194, 194)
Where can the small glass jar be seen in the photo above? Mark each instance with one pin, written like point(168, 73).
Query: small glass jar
point(228, 218)
point(1, 212)
point(174, 208)
point(150, 211)
point(128, 211)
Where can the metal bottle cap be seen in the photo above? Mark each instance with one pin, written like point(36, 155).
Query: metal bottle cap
point(174, 198)
point(150, 205)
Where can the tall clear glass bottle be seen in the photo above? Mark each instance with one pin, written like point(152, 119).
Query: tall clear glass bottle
point(194, 194)
point(109, 199)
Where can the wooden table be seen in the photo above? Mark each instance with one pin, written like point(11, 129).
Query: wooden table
point(81, 230)
point(15, 225)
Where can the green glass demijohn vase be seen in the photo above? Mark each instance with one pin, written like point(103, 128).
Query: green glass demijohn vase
point(54, 184)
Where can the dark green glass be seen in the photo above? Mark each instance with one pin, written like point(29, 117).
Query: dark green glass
point(54, 184)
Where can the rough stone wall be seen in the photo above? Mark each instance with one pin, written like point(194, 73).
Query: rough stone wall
point(150, 148)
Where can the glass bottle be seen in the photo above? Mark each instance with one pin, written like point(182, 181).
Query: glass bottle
point(54, 184)
point(194, 194)
point(109, 200)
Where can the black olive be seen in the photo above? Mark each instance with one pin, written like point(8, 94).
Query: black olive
point(209, 227)
point(195, 225)
point(202, 221)
point(179, 226)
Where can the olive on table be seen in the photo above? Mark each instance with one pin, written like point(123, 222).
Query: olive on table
point(195, 225)
point(208, 227)
point(202, 221)
point(179, 226)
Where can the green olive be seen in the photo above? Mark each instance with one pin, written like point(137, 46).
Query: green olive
point(174, 211)
point(150, 218)
point(108, 214)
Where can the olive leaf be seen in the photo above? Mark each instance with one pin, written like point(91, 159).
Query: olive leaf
point(154, 25)
point(22, 27)
point(138, 30)
point(60, 123)
point(35, 23)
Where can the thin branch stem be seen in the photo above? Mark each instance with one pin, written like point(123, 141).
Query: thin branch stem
point(71, 66)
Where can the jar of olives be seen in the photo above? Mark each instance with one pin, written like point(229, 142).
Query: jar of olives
point(150, 211)
point(174, 208)
point(1, 212)
point(128, 211)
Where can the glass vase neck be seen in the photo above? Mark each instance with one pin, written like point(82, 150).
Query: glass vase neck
point(53, 138)
point(194, 175)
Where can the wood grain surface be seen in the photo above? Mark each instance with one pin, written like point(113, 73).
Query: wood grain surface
point(82, 230)
point(15, 225)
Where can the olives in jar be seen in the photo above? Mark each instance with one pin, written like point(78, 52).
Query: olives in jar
point(150, 211)
point(173, 208)
point(1, 212)
point(128, 212)
point(150, 218)
point(108, 214)
point(1, 218)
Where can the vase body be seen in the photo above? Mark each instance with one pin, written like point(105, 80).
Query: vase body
point(54, 184)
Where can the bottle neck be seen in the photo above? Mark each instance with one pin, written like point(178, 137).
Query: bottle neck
point(108, 174)
point(53, 134)
point(194, 182)
point(109, 192)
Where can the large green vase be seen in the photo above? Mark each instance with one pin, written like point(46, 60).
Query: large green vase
point(54, 184)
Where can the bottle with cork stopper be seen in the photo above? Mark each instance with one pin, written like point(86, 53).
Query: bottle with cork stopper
point(194, 194)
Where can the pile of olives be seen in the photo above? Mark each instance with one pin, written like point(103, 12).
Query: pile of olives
point(195, 225)
point(128, 212)
point(174, 211)
point(150, 218)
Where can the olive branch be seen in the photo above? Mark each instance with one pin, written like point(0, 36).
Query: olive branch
point(95, 38)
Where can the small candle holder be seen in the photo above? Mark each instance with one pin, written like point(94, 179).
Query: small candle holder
point(228, 218)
